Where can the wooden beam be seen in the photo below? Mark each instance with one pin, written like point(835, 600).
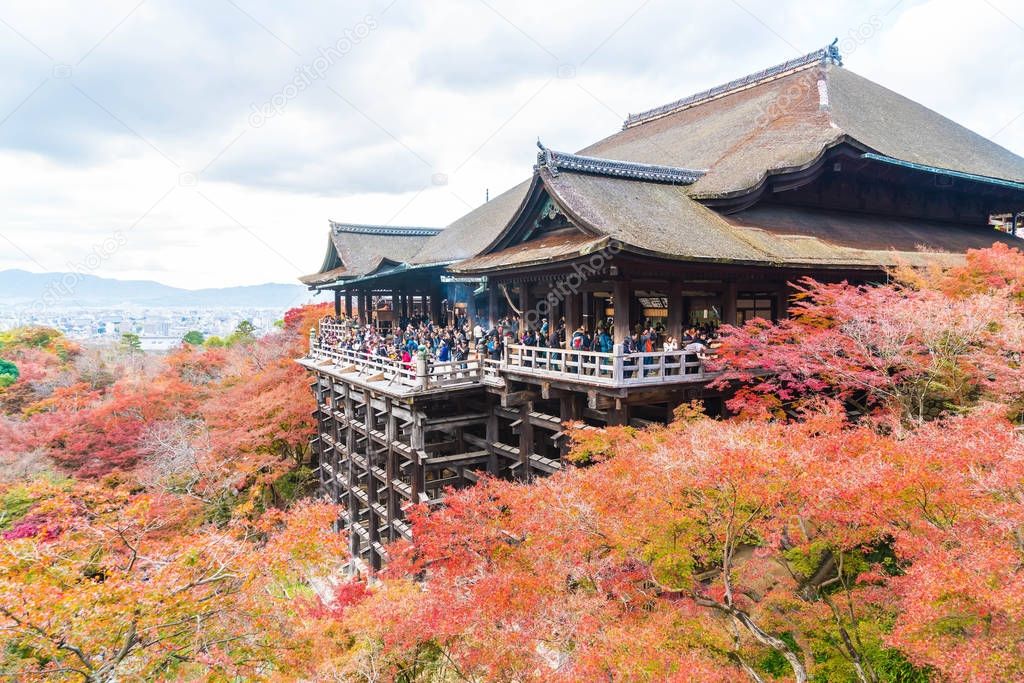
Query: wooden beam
point(511, 399)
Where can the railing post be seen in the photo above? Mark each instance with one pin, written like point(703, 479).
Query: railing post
point(422, 378)
point(617, 364)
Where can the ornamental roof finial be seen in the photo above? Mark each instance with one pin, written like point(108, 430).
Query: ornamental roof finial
point(545, 157)
point(832, 53)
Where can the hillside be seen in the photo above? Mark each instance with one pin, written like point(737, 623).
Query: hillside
point(21, 288)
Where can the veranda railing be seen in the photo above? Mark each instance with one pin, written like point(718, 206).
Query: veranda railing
point(615, 369)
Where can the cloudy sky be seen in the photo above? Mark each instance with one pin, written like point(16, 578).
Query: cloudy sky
point(206, 142)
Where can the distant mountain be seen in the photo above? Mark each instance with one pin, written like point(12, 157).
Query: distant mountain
point(22, 288)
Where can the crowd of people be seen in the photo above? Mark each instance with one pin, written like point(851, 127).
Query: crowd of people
point(462, 339)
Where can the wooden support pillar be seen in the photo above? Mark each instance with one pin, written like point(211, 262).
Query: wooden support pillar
point(675, 309)
point(622, 299)
point(781, 308)
point(372, 519)
point(391, 468)
point(554, 310)
point(529, 317)
point(335, 459)
point(337, 302)
point(572, 316)
point(492, 304)
point(348, 304)
point(569, 408)
point(525, 441)
point(435, 305)
point(351, 502)
point(729, 302)
point(417, 441)
point(492, 437)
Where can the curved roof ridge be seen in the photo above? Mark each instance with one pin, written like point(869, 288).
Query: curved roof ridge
point(657, 173)
point(390, 230)
point(829, 53)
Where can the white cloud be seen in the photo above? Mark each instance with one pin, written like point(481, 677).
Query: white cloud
point(460, 88)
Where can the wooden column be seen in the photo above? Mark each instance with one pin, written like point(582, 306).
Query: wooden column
point(525, 440)
point(391, 468)
point(569, 407)
point(554, 313)
point(587, 312)
point(351, 502)
point(348, 304)
point(492, 436)
point(623, 296)
point(337, 302)
point(675, 309)
point(336, 433)
point(372, 520)
point(492, 304)
point(417, 441)
point(782, 302)
point(435, 305)
point(572, 316)
point(729, 302)
point(527, 319)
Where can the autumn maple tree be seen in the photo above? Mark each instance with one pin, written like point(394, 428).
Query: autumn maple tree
point(857, 515)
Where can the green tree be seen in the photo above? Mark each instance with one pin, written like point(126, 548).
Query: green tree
point(131, 342)
point(244, 333)
point(214, 342)
point(193, 338)
point(8, 373)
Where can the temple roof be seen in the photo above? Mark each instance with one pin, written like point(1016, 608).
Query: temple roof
point(646, 183)
point(660, 220)
point(734, 136)
point(355, 250)
point(787, 120)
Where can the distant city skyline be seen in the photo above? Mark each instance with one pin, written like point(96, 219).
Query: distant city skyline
point(207, 144)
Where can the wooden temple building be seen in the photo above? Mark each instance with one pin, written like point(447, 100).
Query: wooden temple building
point(703, 209)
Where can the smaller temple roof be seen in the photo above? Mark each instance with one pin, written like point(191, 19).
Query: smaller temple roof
point(356, 250)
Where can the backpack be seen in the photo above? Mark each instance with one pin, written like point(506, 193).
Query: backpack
point(577, 341)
